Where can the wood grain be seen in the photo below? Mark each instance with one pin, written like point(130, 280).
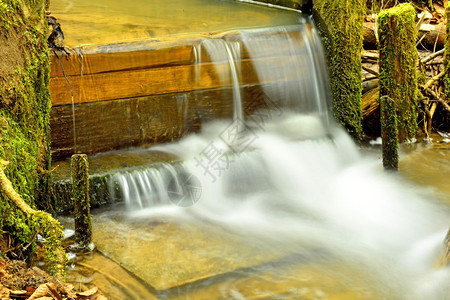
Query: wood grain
point(157, 81)
point(116, 124)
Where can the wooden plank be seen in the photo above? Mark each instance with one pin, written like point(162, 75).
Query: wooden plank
point(154, 53)
point(85, 64)
point(108, 125)
point(156, 81)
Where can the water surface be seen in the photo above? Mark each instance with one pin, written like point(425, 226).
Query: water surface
point(113, 21)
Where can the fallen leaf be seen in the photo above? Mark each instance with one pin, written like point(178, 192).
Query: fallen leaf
point(4, 292)
point(55, 294)
point(88, 292)
point(42, 291)
point(30, 291)
point(101, 297)
point(18, 292)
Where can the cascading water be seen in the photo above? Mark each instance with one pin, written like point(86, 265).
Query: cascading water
point(288, 179)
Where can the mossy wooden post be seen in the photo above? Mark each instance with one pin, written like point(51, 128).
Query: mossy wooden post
point(447, 53)
point(340, 23)
point(389, 133)
point(398, 60)
point(80, 198)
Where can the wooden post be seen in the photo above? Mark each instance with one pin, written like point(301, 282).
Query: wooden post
point(389, 133)
point(447, 53)
point(80, 198)
point(340, 24)
point(398, 60)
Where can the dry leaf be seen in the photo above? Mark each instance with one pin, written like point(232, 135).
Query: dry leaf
point(18, 292)
point(4, 293)
point(30, 290)
point(88, 292)
point(45, 298)
point(69, 291)
point(101, 297)
point(42, 291)
point(3, 264)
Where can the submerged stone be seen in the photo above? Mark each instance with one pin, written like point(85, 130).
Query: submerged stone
point(166, 255)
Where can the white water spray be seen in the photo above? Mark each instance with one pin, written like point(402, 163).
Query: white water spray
point(300, 183)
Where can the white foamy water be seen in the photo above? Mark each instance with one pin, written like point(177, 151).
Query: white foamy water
point(298, 182)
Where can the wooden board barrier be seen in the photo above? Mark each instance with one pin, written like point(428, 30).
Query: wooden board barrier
point(157, 81)
point(115, 124)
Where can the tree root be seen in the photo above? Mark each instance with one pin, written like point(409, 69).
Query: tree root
point(50, 228)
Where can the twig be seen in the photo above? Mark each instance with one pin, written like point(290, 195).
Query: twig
point(370, 55)
point(430, 92)
point(432, 56)
point(369, 70)
point(444, 104)
point(433, 79)
point(48, 225)
point(422, 18)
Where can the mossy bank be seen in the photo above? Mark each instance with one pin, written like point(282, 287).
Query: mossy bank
point(24, 119)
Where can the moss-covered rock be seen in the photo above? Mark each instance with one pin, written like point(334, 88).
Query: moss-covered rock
point(24, 118)
point(340, 24)
point(398, 60)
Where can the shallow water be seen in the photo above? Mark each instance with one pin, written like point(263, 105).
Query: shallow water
point(429, 166)
point(113, 21)
point(330, 224)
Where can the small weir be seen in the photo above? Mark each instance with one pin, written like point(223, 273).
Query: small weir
point(260, 195)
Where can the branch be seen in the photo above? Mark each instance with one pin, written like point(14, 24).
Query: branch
point(444, 104)
point(50, 228)
point(369, 70)
point(433, 79)
point(432, 56)
point(8, 189)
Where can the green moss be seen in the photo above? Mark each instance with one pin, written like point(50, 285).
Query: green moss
point(342, 38)
point(389, 132)
point(398, 59)
point(374, 6)
point(24, 122)
point(51, 230)
point(80, 199)
point(447, 53)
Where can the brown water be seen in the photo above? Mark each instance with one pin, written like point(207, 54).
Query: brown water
point(113, 21)
point(428, 165)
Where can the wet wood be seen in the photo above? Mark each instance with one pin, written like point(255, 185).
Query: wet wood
point(157, 81)
point(431, 37)
point(93, 59)
point(80, 199)
point(115, 124)
point(101, 62)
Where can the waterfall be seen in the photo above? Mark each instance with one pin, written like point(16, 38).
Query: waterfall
point(288, 177)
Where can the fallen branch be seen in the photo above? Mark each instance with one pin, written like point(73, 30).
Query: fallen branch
point(432, 56)
point(429, 35)
point(369, 70)
point(444, 104)
point(50, 228)
point(433, 80)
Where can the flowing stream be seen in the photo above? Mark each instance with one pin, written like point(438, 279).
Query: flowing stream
point(288, 185)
